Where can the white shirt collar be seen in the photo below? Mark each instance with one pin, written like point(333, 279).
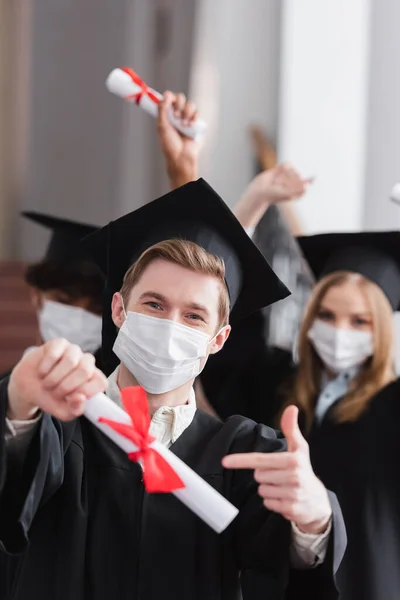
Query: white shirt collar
point(344, 376)
point(332, 390)
point(168, 422)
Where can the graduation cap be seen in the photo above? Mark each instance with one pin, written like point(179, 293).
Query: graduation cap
point(64, 243)
point(196, 213)
point(375, 255)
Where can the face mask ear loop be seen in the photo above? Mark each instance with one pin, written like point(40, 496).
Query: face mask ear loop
point(212, 340)
point(123, 308)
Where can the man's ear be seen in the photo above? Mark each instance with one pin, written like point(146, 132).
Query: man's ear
point(220, 339)
point(36, 298)
point(117, 310)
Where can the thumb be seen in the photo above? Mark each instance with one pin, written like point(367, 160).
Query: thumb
point(290, 429)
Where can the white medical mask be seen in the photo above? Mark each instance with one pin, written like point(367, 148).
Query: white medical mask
point(162, 355)
point(340, 349)
point(76, 325)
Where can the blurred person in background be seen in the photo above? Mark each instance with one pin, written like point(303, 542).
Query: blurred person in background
point(66, 286)
point(343, 381)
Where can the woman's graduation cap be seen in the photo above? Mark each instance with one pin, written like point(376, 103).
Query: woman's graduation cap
point(196, 213)
point(376, 255)
point(64, 242)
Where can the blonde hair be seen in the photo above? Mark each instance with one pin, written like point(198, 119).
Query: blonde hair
point(377, 372)
point(187, 255)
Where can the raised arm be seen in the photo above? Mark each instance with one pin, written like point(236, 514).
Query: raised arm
point(274, 186)
point(181, 153)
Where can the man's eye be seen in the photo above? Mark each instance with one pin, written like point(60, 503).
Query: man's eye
point(195, 317)
point(154, 305)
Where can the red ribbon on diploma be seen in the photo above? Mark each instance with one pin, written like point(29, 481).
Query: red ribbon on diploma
point(144, 87)
point(158, 474)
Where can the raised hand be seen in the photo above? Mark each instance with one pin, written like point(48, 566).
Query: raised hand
point(181, 153)
point(280, 184)
point(274, 186)
point(56, 378)
point(287, 482)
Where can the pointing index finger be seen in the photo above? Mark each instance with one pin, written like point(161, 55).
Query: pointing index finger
point(259, 460)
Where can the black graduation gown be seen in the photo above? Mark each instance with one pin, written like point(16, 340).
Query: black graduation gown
point(85, 529)
point(358, 461)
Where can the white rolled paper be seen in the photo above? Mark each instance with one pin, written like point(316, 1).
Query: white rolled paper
point(395, 194)
point(121, 84)
point(199, 496)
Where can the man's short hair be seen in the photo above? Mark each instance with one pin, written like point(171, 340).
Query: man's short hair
point(77, 279)
point(189, 256)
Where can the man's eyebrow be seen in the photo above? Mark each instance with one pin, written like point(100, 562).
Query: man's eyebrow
point(198, 307)
point(155, 295)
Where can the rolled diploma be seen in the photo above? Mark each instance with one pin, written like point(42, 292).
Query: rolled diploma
point(395, 194)
point(121, 84)
point(199, 496)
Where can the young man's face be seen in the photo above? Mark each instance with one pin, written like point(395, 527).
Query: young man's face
point(169, 291)
point(38, 297)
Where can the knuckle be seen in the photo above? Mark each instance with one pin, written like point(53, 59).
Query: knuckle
point(89, 358)
point(73, 355)
point(61, 390)
point(258, 475)
point(70, 361)
point(296, 496)
point(52, 353)
point(296, 479)
point(56, 343)
point(86, 370)
point(267, 504)
point(103, 381)
point(75, 349)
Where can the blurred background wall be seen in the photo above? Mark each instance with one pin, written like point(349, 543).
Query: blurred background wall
point(321, 78)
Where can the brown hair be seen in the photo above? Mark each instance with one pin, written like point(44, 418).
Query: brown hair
point(185, 254)
point(377, 372)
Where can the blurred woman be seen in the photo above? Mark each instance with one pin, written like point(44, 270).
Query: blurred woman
point(349, 398)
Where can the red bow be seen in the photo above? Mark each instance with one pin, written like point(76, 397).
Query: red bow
point(158, 474)
point(144, 87)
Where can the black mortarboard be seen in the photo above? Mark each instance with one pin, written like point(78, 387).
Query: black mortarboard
point(64, 242)
point(376, 255)
point(193, 212)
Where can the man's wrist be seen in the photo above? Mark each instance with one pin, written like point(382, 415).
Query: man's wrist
point(315, 527)
point(179, 177)
point(250, 210)
point(19, 411)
